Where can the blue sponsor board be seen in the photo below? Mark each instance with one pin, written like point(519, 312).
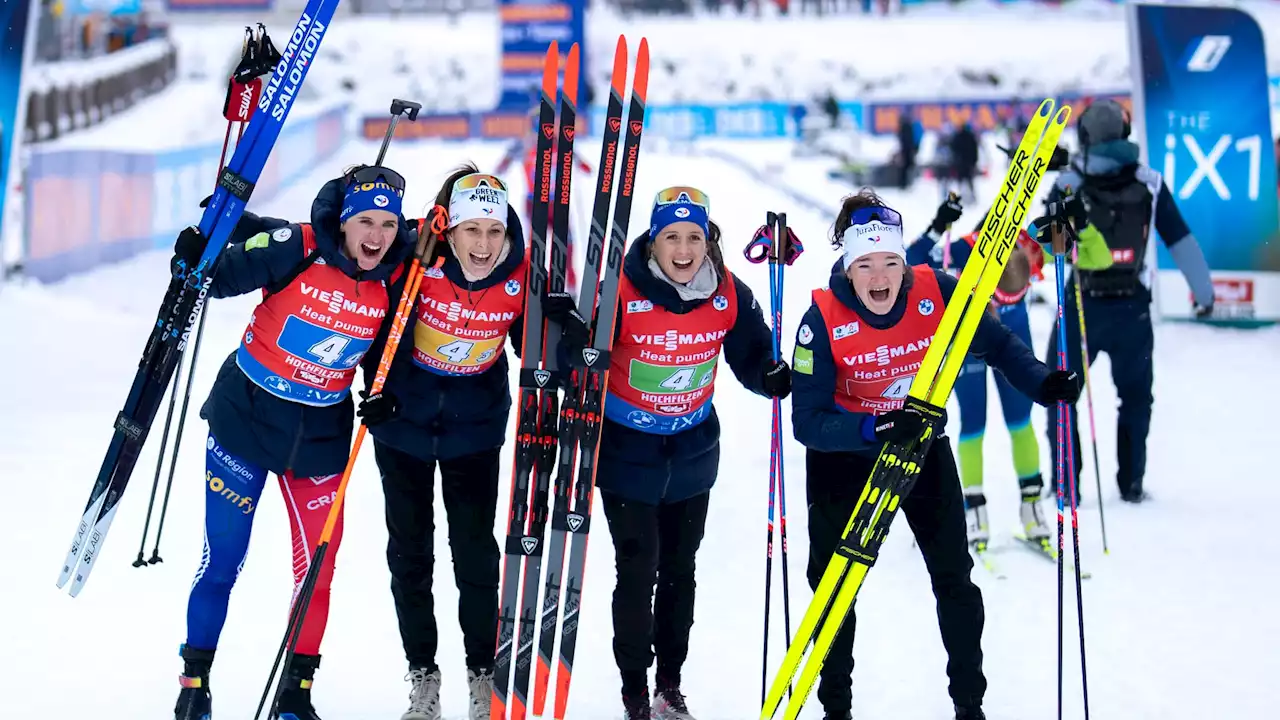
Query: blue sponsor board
point(528, 28)
point(1200, 74)
point(128, 202)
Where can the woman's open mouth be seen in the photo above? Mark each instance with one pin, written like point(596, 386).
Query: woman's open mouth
point(370, 251)
point(683, 264)
point(880, 294)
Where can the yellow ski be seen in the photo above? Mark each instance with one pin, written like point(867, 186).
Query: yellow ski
point(898, 465)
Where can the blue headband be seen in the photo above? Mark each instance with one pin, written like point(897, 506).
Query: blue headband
point(665, 214)
point(370, 196)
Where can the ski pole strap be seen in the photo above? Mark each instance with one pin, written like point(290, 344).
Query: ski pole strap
point(760, 248)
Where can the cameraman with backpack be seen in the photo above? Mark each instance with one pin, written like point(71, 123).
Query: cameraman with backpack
point(1106, 194)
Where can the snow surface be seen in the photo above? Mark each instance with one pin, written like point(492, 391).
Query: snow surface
point(1181, 618)
point(42, 76)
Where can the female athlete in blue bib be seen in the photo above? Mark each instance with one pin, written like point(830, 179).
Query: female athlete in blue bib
point(282, 400)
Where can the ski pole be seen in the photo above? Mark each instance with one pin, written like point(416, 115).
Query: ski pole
point(1088, 390)
point(426, 245)
point(775, 244)
point(245, 84)
point(1066, 461)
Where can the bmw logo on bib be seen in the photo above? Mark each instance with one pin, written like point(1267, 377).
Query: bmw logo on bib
point(513, 287)
point(720, 303)
point(641, 419)
point(925, 307)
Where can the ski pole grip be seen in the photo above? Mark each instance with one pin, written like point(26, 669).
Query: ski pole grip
point(401, 107)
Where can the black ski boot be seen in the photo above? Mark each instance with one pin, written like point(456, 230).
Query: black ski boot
point(194, 701)
point(636, 706)
point(970, 712)
point(295, 698)
point(846, 715)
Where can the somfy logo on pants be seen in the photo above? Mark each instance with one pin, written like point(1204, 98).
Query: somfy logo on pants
point(1208, 53)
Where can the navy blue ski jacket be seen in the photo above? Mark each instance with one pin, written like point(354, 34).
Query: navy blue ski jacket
point(820, 424)
point(444, 417)
point(658, 469)
point(250, 422)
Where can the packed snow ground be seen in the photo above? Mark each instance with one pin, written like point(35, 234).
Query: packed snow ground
point(1179, 617)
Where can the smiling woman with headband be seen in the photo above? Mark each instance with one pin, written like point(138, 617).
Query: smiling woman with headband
point(445, 403)
point(282, 400)
point(857, 350)
point(678, 309)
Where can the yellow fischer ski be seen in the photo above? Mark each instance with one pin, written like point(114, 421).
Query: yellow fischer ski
point(898, 465)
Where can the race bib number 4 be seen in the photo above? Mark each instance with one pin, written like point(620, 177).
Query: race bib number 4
point(320, 345)
point(446, 352)
point(668, 380)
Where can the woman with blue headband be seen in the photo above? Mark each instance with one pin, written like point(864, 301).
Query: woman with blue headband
point(857, 350)
point(679, 309)
point(282, 401)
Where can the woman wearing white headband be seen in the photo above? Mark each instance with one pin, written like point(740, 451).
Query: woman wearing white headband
point(446, 403)
point(857, 350)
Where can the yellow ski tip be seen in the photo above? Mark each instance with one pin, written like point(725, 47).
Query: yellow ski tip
point(1046, 108)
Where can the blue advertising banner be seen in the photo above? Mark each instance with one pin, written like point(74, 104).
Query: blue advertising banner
point(528, 27)
point(218, 5)
point(128, 202)
point(14, 18)
point(1201, 105)
point(107, 7)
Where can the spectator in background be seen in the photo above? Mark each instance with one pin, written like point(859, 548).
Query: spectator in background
point(906, 149)
point(964, 160)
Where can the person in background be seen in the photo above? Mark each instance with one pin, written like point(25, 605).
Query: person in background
point(1107, 196)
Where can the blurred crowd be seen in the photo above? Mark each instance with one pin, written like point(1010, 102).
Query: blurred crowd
point(62, 34)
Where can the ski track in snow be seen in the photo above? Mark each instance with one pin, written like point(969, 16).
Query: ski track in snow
point(1179, 617)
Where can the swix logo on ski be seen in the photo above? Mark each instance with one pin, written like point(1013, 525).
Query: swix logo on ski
point(884, 354)
point(286, 80)
point(246, 102)
point(339, 303)
point(218, 487)
point(227, 461)
point(672, 340)
point(455, 311)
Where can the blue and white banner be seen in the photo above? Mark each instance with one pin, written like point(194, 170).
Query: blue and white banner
point(528, 27)
point(128, 202)
point(18, 20)
point(1203, 117)
point(106, 7)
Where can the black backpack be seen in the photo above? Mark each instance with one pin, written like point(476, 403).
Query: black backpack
point(1120, 208)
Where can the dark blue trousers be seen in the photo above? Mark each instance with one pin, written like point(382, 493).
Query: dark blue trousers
point(1121, 328)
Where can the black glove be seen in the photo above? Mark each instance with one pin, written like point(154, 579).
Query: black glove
point(900, 425)
point(1061, 385)
point(377, 408)
point(561, 308)
point(188, 248)
point(776, 378)
point(1202, 312)
point(1059, 159)
point(948, 212)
